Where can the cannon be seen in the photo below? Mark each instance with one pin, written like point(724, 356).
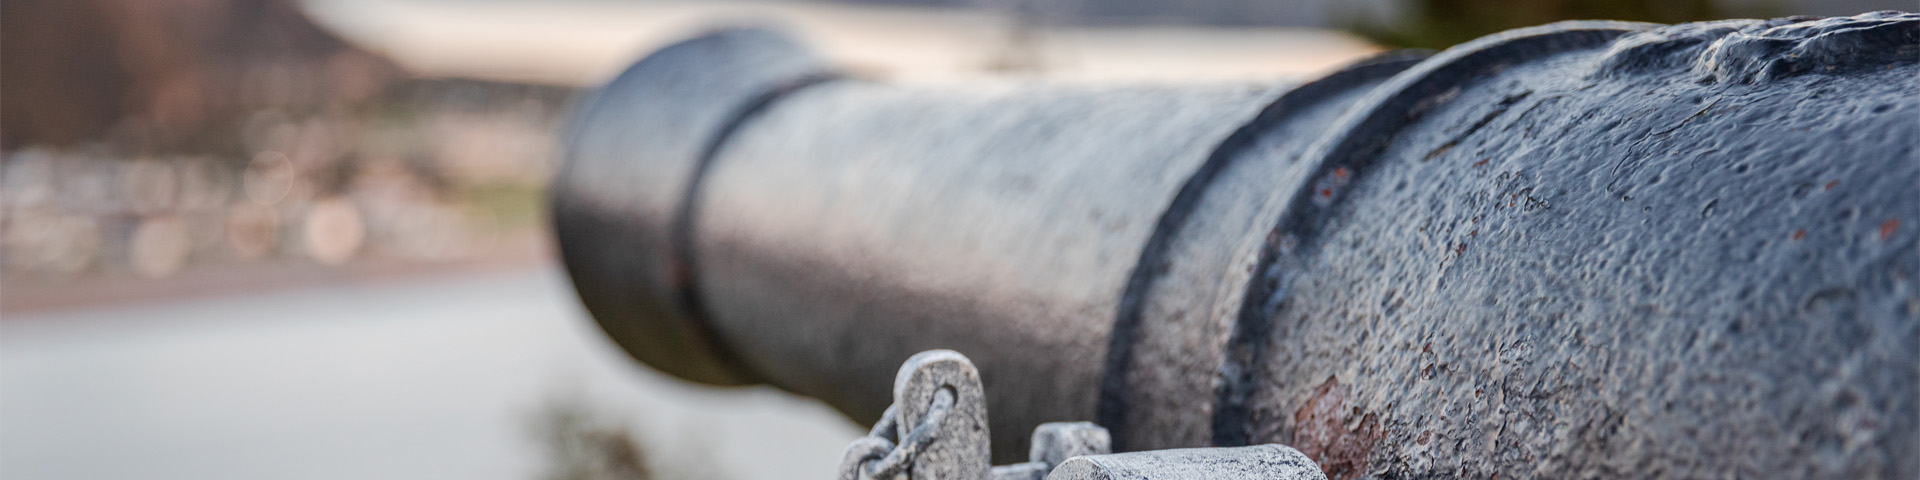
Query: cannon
point(1587, 249)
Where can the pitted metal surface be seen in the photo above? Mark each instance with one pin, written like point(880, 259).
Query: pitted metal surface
point(1616, 261)
point(960, 449)
point(1267, 462)
point(1586, 249)
point(1054, 443)
point(1165, 376)
point(942, 436)
point(936, 427)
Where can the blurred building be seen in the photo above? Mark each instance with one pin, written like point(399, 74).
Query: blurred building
point(145, 136)
point(167, 74)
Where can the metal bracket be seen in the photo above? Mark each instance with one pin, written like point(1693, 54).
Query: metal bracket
point(938, 420)
point(937, 429)
point(1054, 443)
point(1271, 462)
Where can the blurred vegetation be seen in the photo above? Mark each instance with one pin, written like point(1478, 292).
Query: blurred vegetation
point(1439, 24)
point(586, 440)
point(504, 205)
point(584, 444)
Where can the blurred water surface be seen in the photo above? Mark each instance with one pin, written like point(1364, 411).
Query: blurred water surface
point(416, 379)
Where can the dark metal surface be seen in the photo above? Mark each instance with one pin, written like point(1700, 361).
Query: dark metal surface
point(858, 223)
point(1164, 376)
point(1577, 250)
point(1692, 251)
point(633, 153)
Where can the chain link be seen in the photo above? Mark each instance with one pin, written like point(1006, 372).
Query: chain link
point(876, 456)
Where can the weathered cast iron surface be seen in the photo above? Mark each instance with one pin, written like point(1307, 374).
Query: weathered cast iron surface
point(1586, 249)
point(1690, 251)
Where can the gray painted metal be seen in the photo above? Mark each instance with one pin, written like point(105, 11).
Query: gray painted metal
point(1265, 462)
point(943, 434)
point(1582, 249)
point(936, 428)
point(1053, 444)
point(960, 446)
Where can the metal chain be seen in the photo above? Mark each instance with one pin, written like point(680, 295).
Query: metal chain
point(875, 456)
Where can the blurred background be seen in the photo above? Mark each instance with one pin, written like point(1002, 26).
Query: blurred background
point(305, 239)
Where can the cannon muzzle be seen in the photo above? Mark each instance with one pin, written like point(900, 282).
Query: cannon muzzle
point(1576, 250)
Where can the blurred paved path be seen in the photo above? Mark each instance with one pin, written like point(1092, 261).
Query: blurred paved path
point(421, 379)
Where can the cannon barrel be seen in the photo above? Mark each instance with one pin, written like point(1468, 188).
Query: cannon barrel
point(1581, 249)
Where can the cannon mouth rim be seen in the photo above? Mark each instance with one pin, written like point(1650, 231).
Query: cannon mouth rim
point(633, 155)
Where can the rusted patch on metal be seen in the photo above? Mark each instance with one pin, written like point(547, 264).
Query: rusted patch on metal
point(1320, 431)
